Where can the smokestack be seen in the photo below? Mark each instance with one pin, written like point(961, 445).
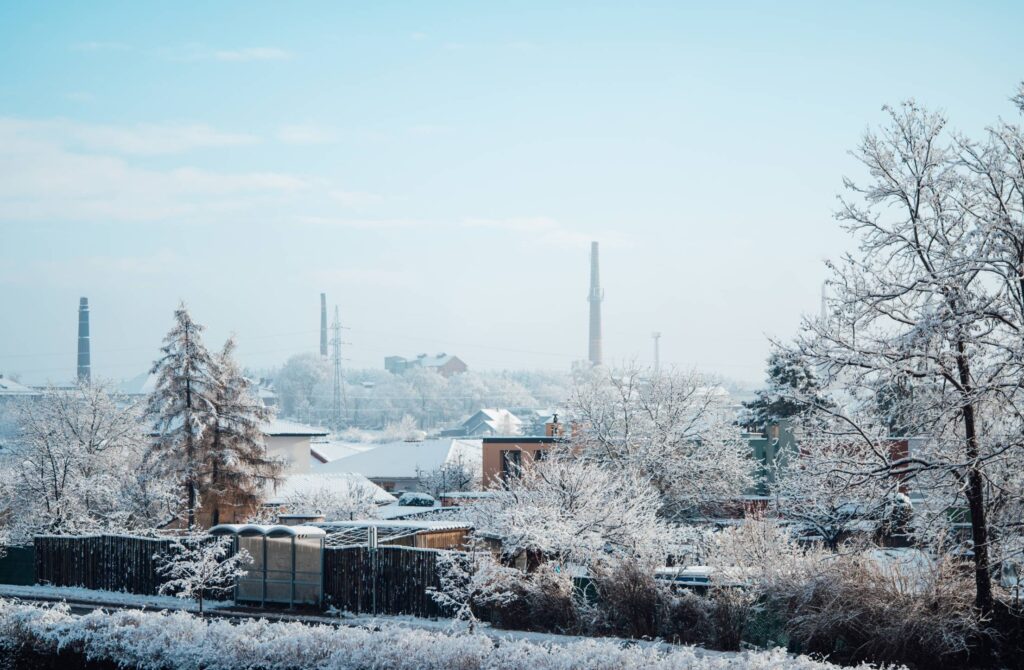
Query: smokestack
point(83, 341)
point(595, 298)
point(323, 325)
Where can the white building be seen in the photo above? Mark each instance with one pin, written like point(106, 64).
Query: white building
point(396, 466)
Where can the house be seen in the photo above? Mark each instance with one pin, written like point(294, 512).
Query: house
point(292, 442)
point(504, 456)
point(397, 466)
point(325, 451)
point(342, 482)
point(444, 364)
point(10, 389)
point(489, 421)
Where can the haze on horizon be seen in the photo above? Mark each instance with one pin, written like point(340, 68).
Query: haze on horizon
point(440, 170)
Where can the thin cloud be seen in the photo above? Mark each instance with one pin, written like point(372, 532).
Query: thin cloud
point(363, 223)
point(546, 231)
point(306, 134)
point(145, 139)
point(192, 52)
point(47, 177)
point(100, 46)
point(252, 54)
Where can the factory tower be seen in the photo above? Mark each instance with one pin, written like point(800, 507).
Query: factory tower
point(595, 298)
point(84, 374)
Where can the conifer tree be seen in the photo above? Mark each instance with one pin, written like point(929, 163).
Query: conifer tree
point(183, 403)
point(238, 464)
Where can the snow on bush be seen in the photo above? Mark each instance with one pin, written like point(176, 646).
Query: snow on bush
point(135, 639)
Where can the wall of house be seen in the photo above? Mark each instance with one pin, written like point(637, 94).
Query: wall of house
point(293, 449)
point(492, 457)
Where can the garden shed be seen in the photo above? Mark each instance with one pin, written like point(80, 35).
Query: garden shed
point(287, 567)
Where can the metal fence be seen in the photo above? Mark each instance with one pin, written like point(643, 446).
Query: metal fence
point(17, 565)
point(107, 562)
point(383, 580)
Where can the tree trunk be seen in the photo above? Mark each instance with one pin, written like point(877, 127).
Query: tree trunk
point(975, 494)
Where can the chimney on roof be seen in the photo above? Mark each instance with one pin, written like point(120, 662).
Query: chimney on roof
point(595, 297)
point(84, 367)
point(323, 325)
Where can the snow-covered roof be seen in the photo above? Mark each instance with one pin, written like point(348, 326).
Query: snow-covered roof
point(9, 387)
point(332, 450)
point(436, 361)
point(281, 427)
point(337, 481)
point(404, 524)
point(248, 529)
point(403, 460)
point(141, 384)
point(396, 511)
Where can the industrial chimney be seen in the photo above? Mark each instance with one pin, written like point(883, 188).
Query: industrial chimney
point(83, 341)
point(595, 298)
point(323, 325)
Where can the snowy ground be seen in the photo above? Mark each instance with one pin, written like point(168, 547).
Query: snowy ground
point(74, 594)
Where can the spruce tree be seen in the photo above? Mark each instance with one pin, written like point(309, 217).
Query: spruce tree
point(238, 464)
point(183, 403)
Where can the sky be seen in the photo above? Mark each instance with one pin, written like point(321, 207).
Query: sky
point(440, 168)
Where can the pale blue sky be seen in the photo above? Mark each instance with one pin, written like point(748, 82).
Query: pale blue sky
point(439, 168)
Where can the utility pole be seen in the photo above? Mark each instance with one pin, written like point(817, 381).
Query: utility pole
point(657, 354)
point(339, 400)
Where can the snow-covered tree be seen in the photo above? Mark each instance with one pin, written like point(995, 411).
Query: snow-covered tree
point(933, 295)
point(472, 580)
point(574, 510)
point(237, 468)
point(301, 385)
point(340, 501)
point(183, 403)
point(790, 382)
point(404, 429)
point(676, 429)
point(455, 475)
point(199, 565)
point(80, 463)
point(821, 486)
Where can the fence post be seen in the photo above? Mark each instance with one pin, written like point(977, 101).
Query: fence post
point(371, 545)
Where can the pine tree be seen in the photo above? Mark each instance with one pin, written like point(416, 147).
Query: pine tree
point(238, 464)
point(792, 389)
point(183, 403)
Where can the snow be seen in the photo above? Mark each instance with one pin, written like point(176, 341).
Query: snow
point(332, 450)
point(113, 598)
point(406, 460)
point(179, 639)
point(396, 511)
point(9, 387)
point(293, 428)
point(267, 530)
point(342, 482)
point(407, 525)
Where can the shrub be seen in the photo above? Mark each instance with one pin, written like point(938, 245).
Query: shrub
point(862, 607)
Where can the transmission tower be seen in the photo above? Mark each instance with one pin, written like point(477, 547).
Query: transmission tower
point(339, 401)
point(657, 353)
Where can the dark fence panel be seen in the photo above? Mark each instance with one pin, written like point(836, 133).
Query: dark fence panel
point(17, 566)
point(386, 580)
point(107, 562)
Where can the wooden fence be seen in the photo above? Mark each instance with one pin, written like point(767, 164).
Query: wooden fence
point(385, 580)
point(107, 562)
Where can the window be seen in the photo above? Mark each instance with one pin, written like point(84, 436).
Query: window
point(511, 463)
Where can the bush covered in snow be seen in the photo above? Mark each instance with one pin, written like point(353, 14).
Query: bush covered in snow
point(150, 640)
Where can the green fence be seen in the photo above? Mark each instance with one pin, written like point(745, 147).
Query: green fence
point(17, 566)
